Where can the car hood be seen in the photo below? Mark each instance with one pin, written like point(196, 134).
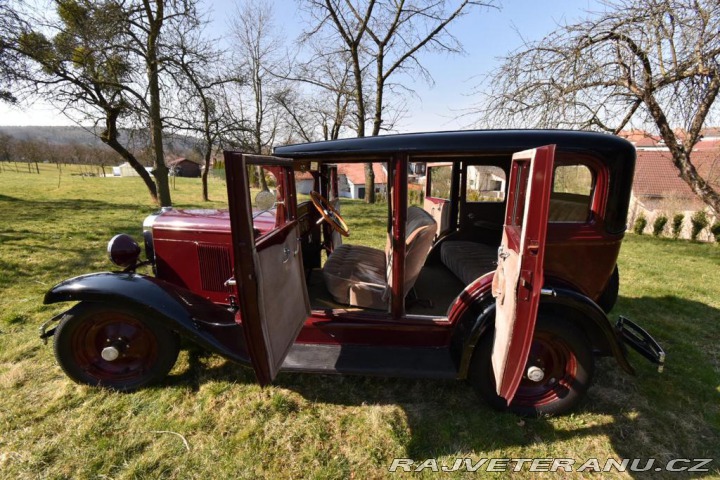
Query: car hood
point(207, 220)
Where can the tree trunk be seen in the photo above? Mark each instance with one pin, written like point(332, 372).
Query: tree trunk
point(156, 137)
point(681, 153)
point(261, 179)
point(369, 174)
point(698, 184)
point(369, 183)
point(109, 138)
point(206, 171)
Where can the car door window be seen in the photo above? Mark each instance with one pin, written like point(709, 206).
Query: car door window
point(572, 194)
point(440, 181)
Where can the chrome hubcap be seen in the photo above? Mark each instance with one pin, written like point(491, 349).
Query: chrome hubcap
point(536, 374)
point(110, 354)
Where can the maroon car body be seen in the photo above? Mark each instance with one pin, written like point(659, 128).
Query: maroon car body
point(523, 325)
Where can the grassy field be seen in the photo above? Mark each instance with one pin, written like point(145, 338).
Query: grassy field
point(210, 419)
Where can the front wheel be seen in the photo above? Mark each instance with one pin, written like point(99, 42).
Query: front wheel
point(557, 375)
point(114, 347)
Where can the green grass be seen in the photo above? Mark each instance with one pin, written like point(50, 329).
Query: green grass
point(53, 227)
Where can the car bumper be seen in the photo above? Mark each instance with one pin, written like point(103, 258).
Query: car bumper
point(641, 341)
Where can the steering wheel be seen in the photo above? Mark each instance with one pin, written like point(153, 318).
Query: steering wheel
point(329, 214)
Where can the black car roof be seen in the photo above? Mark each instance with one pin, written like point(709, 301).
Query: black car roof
point(617, 154)
point(466, 141)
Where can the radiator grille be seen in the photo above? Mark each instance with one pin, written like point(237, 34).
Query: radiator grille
point(215, 267)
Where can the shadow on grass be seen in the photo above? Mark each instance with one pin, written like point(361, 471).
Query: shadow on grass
point(59, 232)
point(40, 208)
point(665, 416)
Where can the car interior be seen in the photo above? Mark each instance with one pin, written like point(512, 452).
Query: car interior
point(448, 245)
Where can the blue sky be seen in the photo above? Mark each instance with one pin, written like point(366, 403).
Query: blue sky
point(485, 34)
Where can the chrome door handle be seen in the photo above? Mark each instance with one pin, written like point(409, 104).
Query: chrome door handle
point(286, 253)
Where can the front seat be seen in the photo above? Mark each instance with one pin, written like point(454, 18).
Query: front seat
point(360, 276)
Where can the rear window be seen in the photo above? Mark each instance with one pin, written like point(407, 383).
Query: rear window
point(571, 198)
point(484, 183)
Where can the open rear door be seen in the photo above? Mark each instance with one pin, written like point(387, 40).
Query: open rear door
point(269, 273)
point(519, 276)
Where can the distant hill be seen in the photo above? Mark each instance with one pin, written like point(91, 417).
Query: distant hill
point(79, 135)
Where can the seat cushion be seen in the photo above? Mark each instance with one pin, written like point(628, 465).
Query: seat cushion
point(355, 275)
point(468, 260)
point(361, 276)
point(568, 211)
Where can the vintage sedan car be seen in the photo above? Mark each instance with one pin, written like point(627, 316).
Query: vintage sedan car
point(501, 274)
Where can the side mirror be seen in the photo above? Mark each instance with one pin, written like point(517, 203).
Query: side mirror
point(264, 200)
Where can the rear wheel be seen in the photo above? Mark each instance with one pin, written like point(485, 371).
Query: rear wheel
point(557, 375)
point(113, 347)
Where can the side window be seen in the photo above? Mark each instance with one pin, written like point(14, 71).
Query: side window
point(572, 194)
point(267, 195)
point(440, 179)
point(484, 183)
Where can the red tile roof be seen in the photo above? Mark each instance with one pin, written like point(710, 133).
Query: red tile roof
point(639, 138)
point(656, 176)
point(303, 176)
point(355, 172)
point(710, 132)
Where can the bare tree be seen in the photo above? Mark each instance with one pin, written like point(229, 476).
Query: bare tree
point(202, 106)
point(384, 39)
point(653, 62)
point(8, 58)
point(258, 50)
point(322, 111)
point(104, 62)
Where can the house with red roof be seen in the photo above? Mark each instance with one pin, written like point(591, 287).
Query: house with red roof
point(351, 179)
point(658, 188)
point(304, 182)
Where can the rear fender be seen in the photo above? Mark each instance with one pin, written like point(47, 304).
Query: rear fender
point(211, 326)
point(591, 318)
point(478, 319)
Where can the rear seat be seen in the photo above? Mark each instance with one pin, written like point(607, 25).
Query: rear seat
point(468, 260)
point(568, 211)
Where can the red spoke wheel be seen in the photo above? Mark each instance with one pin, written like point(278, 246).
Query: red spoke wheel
point(113, 347)
point(557, 374)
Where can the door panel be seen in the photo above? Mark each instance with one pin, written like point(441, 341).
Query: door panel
point(519, 276)
point(282, 294)
point(269, 274)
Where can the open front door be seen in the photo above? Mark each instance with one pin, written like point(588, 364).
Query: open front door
point(269, 274)
point(519, 276)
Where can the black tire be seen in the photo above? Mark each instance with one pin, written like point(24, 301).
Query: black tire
point(560, 348)
point(146, 351)
point(609, 296)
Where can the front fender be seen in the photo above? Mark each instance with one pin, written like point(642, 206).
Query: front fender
point(201, 321)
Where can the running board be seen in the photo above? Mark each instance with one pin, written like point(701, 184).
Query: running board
point(409, 362)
